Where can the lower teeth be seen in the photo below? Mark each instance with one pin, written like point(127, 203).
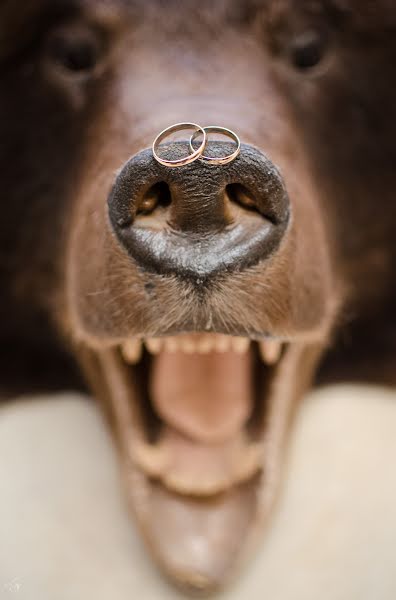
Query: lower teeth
point(198, 469)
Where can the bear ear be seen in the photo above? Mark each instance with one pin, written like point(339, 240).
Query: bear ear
point(16, 19)
point(380, 14)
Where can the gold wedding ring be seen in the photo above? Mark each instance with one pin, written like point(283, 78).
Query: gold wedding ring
point(186, 159)
point(198, 152)
point(223, 160)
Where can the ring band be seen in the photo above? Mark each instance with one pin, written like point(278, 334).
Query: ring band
point(187, 159)
point(215, 129)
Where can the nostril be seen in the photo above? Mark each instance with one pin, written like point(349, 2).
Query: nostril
point(239, 194)
point(244, 202)
point(156, 197)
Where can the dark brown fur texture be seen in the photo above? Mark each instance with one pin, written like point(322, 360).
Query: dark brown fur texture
point(69, 290)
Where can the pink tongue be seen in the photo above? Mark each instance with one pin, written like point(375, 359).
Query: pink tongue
point(208, 397)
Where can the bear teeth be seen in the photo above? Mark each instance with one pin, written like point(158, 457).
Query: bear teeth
point(198, 344)
point(132, 349)
point(270, 351)
point(154, 345)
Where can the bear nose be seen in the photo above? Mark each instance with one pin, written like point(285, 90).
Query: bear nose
point(200, 219)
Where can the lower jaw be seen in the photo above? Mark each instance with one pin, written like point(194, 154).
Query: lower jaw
point(200, 534)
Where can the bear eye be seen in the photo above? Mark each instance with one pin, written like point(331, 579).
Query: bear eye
point(307, 50)
point(73, 48)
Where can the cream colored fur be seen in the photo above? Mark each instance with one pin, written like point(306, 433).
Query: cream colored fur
point(65, 533)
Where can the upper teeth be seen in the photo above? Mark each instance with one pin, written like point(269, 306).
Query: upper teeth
point(270, 351)
point(132, 349)
point(154, 345)
point(240, 344)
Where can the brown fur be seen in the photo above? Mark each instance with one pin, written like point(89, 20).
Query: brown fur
point(66, 281)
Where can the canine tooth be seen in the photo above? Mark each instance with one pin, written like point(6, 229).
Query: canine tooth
point(240, 344)
point(132, 351)
point(154, 345)
point(270, 351)
point(150, 458)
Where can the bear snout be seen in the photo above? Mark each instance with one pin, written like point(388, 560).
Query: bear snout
point(199, 220)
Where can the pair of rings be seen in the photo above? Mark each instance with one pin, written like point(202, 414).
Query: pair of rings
point(198, 152)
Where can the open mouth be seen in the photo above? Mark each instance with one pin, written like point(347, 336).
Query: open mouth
point(199, 407)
